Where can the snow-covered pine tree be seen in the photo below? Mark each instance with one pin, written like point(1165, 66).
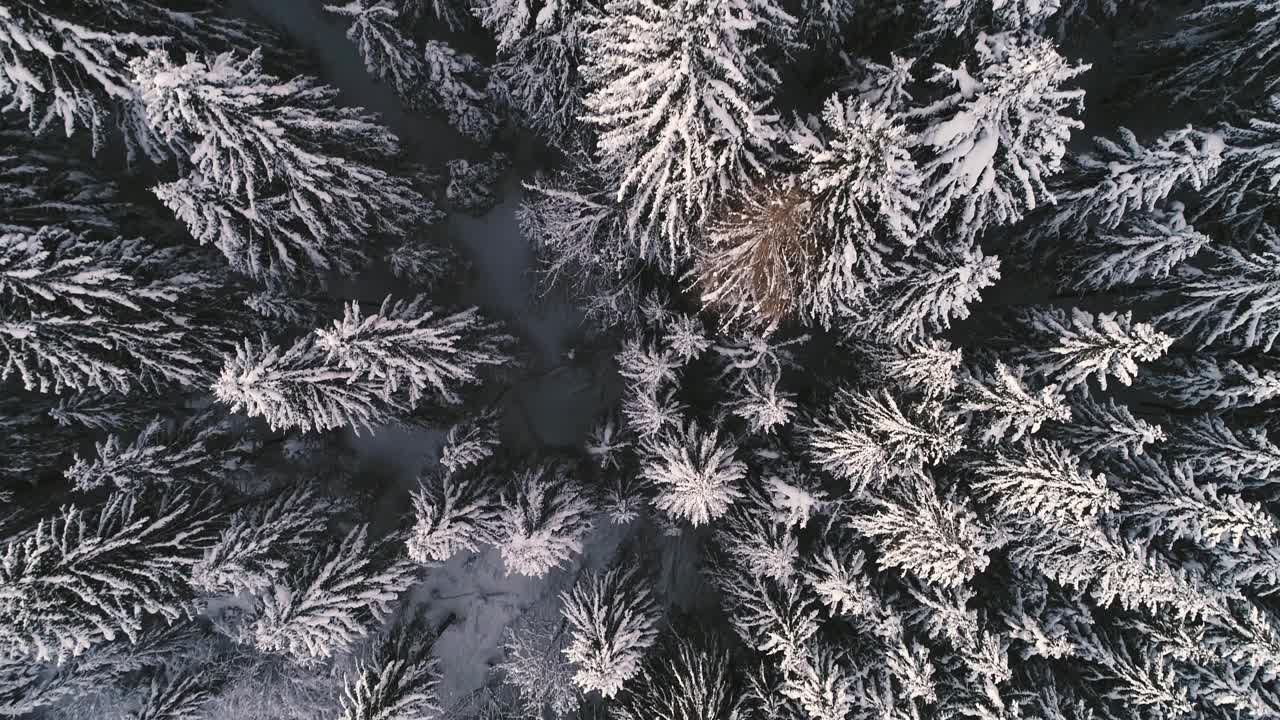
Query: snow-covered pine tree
point(835, 573)
point(260, 542)
point(535, 665)
point(455, 511)
point(363, 370)
point(810, 245)
point(694, 472)
point(284, 181)
point(1228, 297)
point(939, 540)
point(389, 55)
point(687, 678)
point(326, 605)
point(759, 541)
point(398, 680)
point(174, 695)
point(472, 441)
point(868, 438)
point(774, 618)
point(677, 91)
point(578, 233)
point(154, 459)
point(430, 76)
point(823, 23)
point(28, 687)
point(1043, 482)
point(1113, 569)
point(537, 77)
point(930, 368)
point(452, 15)
point(821, 682)
point(544, 519)
point(865, 182)
point(1146, 246)
point(1243, 194)
point(474, 186)
point(1009, 409)
point(612, 621)
point(455, 82)
point(760, 401)
point(89, 575)
point(929, 290)
point(1205, 380)
point(78, 315)
point(996, 140)
point(1084, 345)
point(511, 21)
point(63, 74)
point(67, 67)
point(406, 348)
point(1220, 52)
point(1122, 177)
point(1239, 457)
point(298, 388)
point(1162, 499)
point(39, 437)
point(1103, 427)
point(39, 187)
point(961, 18)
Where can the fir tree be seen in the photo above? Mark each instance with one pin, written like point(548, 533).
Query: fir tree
point(1229, 299)
point(868, 438)
point(1000, 136)
point(455, 512)
point(65, 75)
point(1244, 190)
point(455, 82)
point(75, 316)
point(612, 621)
point(260, 542)
point(677, 93)
point(695, 473)
point(1044, 481)
point(688, 679)
point(1106, 430)
point(406, 348)
point(1010, 409)
point(389, 55)
point(149, 461)
point(398, 681)
point(297, 388)
point(543, 521)
point(324, 606)
point(930, 290)
point(1147, 246)
point(174, 696)
point(1124, 177)
point(537, 77)
point(535, 665)
point(1221, 51)
point(86, 576)
point(937, 539)
point(283, 180)
point(1092, 346)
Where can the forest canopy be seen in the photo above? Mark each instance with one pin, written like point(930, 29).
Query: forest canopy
point(639, 359)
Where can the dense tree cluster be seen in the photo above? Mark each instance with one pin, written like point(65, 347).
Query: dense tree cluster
point(930, 348)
